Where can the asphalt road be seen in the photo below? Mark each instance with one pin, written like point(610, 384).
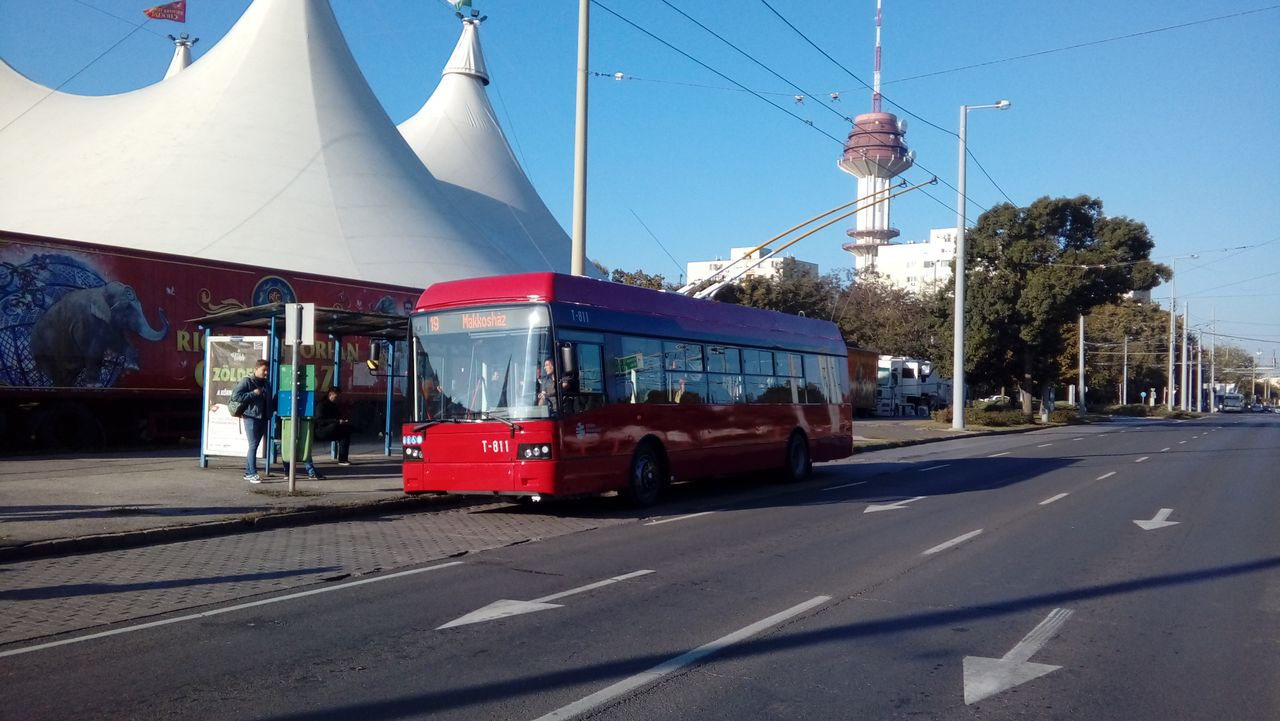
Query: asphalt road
point(992, 578)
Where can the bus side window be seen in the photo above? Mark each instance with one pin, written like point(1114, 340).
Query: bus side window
point(636, 367)
point(590, 369)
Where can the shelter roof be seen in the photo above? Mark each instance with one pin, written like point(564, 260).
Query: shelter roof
point(337, 322)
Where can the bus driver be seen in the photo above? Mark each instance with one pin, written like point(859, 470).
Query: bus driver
point(547, 386)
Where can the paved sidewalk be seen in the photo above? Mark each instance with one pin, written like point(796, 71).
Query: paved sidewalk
point(65, 504)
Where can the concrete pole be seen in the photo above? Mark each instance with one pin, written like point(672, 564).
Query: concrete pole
point(578, 260)
point(1213, 364)
point(1083, 406)
point(1200, 375)
point(1172, 349)
point(1124, 375)
point(1186, 370)
point(957, 347)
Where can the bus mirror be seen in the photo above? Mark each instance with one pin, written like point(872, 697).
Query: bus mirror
point(568, 359)
point(568, 369)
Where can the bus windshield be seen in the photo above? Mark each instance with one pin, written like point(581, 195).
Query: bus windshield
point(483, 363)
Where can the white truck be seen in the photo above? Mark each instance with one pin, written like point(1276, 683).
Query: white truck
point(909, 387)
point(1232, 403)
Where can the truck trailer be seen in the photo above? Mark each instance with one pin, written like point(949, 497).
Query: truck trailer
point(98, 348)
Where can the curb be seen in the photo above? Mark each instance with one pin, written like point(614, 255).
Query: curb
point(245, 524)
point(323, 514)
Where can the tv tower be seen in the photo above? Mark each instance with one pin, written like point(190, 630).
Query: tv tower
point(875, 153)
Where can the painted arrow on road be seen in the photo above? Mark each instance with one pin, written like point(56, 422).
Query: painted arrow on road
point(506, 608)
point(1160, 520)
point(895, 506)
point(986, 677)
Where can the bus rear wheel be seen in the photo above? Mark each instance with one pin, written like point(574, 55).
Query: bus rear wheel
point(647, 476)
point(799, 462)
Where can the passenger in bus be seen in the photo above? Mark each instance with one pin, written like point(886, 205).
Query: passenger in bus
point(430, 388)
point(679, 394)
point(547, 386)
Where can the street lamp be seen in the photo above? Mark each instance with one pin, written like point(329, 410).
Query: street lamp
point(957, 348)
point(1173, 341)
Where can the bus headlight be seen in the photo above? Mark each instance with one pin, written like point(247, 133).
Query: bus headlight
point(534, 451)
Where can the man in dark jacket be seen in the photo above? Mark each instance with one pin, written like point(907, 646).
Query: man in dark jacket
point(331, 426)
point(254, 393)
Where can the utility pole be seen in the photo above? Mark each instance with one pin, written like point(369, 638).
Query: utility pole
point(1186, 370)
point(1172, 348)
point(1200, 373)
point(1124, 375)
point(1083, 407)
point(1213, 363)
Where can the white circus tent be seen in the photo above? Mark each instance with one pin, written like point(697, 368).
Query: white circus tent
point(457, 136)
point(269, 150)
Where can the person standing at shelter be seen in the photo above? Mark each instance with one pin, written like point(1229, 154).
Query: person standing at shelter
point(254, 393)
point(331, 426)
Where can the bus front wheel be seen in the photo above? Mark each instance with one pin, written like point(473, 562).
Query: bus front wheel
point(799, 462)
point(646, 477)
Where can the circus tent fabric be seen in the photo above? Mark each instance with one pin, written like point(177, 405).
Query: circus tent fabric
point(457, 136)
point(273, 150)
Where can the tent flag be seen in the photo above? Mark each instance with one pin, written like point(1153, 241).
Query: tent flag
point(175, 11)
point(459, 4)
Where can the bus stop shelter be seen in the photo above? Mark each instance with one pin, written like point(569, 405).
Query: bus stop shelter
point(337, 323)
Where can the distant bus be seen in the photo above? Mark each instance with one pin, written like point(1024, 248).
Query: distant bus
point(643, 388)
point(1232, 403)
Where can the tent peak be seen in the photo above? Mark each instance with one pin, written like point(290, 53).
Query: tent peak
point(467, 59)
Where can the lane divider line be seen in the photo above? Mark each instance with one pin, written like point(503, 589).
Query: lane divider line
point(846, 485)
point(997, 455)
point(1140, 460)
point(607, 694)
point(953, 542)
point(228, 609)
point(679, 518)
point(1051, 499)
point(1105, 476)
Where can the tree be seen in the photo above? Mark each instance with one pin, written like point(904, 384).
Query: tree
point(1032, 271)
point(1105, 328)
point(641, 279)
point(873, 313)
point(792, 291)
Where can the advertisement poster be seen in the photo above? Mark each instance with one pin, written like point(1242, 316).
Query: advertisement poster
point(230, 359)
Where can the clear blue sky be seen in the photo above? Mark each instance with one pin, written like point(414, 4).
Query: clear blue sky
point(1174, 128)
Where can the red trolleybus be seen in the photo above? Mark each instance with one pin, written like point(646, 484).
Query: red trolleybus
point(543, 385)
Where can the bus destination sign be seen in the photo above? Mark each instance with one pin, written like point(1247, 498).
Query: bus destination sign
point(480, 320)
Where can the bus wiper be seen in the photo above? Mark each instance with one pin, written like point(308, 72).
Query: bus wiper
point(511, 424)
point(435, 421)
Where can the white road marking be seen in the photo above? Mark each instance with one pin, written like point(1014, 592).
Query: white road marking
point(1051, 499)
point(1105, 476)
point(953, 542)
point(1163, 450)
point(986, 677)
point(997, 455)
point(228, 609)
point(933, 468)
point(1160, 520)
point(1044, 445)
point(603, 696)
point(1181, 442)
point(1140, 460)
point(678, 518)
point(505, 608)
point(895, 506)
point(846, 485)
point(1081, 438)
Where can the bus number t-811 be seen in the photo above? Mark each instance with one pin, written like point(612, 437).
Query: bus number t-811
point(498, 446)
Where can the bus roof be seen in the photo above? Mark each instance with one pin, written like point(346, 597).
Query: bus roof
point(726, 321)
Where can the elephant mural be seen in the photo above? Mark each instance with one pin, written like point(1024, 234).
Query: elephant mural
point(72, 340)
